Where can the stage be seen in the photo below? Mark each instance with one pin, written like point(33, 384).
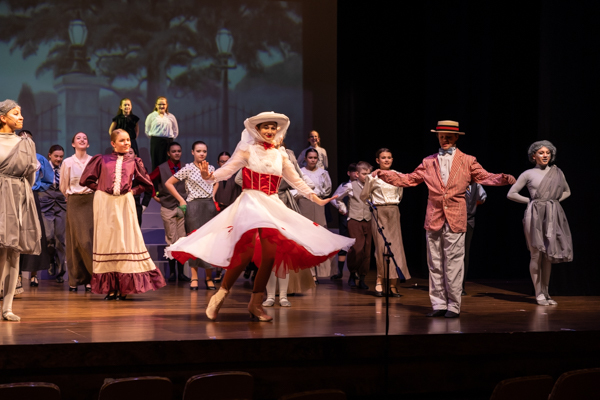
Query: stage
point(331, 337)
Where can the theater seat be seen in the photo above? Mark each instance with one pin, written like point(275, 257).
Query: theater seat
point(146, 387)
point(524, 388)
point(581, 385)
point(228, 385)
point(30, 391)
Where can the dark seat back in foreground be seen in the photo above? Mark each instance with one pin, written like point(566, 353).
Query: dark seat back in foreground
point(583, 384)
point(146, 387)
point(30, 391)
point(524, 388)
point(228, 385)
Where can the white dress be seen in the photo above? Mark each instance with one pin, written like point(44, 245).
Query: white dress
point(300, 242)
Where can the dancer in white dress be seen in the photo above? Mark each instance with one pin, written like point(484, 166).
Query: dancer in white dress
point(258, 226)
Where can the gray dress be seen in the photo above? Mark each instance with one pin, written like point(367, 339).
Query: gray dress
point(545, 223)
point(19, 225)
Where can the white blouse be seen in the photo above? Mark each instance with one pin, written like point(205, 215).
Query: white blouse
point(70, 174)
point(321, 179)
point(165, 126)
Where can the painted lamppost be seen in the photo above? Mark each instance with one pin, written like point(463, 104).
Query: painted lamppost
point(224, 40)
point(77, 35)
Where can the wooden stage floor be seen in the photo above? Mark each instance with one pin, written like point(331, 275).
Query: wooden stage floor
point(51, 314)
point(331, 337)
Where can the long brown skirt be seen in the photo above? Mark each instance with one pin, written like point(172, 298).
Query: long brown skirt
point(80, 238)
point(389, 218)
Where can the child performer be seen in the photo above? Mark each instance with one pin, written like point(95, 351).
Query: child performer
point(172, 217)
point(80, 215)
point(321, 184)
point(546, 228)
point(199, 206)
point(44, 177)
point(128, 122)
point(314, 141)
point(20, 230)
point(122, 264)
point(447, 175)
point(343, 220)
point(54, 210)
point(161, 127)
point(359, 227)
point(258, 224)
point(386, 198)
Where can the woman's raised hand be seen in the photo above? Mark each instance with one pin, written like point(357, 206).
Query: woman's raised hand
point(204, 170)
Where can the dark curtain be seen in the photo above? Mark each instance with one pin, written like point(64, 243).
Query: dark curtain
point(511, 73)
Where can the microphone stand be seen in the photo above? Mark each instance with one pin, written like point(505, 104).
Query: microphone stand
point(388, 255)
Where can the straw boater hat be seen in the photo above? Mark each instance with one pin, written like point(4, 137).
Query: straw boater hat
point(447, 126)
point(283, 123)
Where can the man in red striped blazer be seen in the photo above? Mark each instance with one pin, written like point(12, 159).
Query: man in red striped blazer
point(447, 175)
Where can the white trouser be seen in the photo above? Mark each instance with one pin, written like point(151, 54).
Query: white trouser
point(445, 258)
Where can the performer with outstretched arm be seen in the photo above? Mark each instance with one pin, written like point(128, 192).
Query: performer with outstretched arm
point(20, 230)
point(258, 226)
point(546, 228)
point(447, 175)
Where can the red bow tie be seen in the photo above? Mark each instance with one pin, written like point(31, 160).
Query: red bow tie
point(268, 146)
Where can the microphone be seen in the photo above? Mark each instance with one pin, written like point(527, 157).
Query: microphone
point(371, 205)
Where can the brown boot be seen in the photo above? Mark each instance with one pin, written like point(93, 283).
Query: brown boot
point(215, 303)
point(256, 310)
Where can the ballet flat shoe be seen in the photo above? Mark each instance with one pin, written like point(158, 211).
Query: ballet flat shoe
point(9, 316)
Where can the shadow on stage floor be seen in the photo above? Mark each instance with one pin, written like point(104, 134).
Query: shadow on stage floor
point(331, 337)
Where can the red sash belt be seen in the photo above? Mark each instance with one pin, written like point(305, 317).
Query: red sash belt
point(266, 183)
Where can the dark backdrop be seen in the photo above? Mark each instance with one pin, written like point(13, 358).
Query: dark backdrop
point(511, 73)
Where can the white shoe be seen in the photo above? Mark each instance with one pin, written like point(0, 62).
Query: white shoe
point(269, 302)
point(551, 302)
point(543, 302)
point(9, 316)
point(284, 302)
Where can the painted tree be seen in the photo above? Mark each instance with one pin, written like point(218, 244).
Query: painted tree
point(161, 45)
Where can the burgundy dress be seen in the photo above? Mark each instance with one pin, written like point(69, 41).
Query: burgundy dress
point(121, 261)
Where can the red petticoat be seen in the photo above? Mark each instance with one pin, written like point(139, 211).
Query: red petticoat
point(288, 256)
point(130, 283)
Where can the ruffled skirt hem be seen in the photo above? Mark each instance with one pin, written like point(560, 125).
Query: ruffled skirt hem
point(127, 283)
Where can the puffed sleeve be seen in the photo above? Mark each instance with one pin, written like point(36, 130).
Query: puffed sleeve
point(174, 126)
point(326, 184)
point(91, 173)
point(182, 174)
point(148, 124)
point(291, 176)
point(65, 177)
point(141, 178)
point(238, 160)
